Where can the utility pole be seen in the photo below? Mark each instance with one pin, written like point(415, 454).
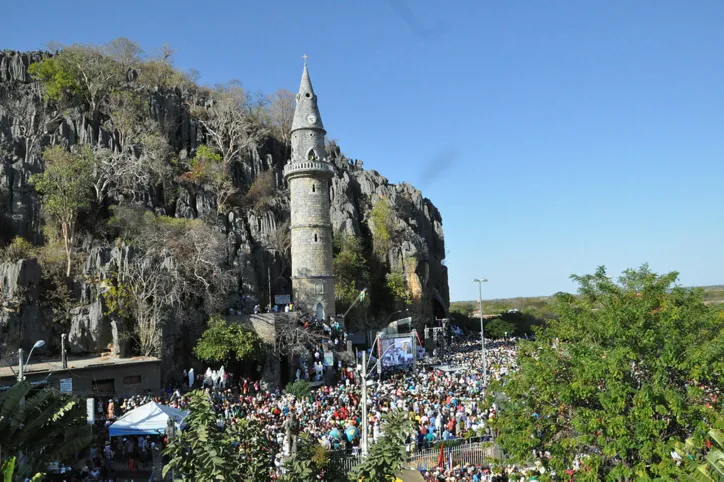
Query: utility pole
point(268, 275)
point(480, 282)
point(63, 354)
point(363, 438)
point(21, 367)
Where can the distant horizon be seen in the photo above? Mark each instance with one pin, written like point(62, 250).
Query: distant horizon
point(554, 293)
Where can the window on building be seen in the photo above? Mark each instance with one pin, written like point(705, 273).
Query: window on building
point(315, 237)
point(132, 380)
point(104, 387)
point(314, 188)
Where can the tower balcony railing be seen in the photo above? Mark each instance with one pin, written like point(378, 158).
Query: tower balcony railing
point(307, 166)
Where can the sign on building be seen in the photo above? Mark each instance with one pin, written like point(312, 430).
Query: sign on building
point(328, 359)
point(66, 385)
point(282, 299)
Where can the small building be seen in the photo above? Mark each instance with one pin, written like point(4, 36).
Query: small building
point(91, 376)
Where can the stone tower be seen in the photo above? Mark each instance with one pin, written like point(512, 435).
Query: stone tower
point(308, 174)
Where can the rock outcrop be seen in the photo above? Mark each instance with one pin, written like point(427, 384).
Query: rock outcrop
point(419, 255)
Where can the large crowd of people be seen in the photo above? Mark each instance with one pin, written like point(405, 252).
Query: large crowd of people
point(443, 402)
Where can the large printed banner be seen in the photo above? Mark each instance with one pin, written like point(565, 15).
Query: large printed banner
point(397, 351)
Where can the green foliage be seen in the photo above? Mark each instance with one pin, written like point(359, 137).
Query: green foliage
point(57, 78)
point(351, 269)
point(704, 465)
point(203, 451)
point(222, 342)
point(311, 463)
point(65, 189)
point(8, 469)
point(48, 427)
point(386, 457)
point(381, 223)
point(19, 248)
point(397, 286)
point(82, 73)
point(261, 193)
point(299, 389)
point(498, 327)
point(208, 169)
point(617, 376)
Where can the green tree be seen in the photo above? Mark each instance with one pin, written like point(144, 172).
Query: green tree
point(208, 169)
point(204, 451)
point(49, 426)
point(498, 327)
point(8, 470)
point(86, 73)
point(351, 269)
point(616, 377)
point(262, 192)
point(382, 224)
point(386, 457)
point(299, 389)
point(65, 189)
point(705, 466)
point(222, 342)
point(397, 286)
point(312, 463)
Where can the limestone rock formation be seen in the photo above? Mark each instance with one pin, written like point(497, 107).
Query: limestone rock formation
point(249, 232)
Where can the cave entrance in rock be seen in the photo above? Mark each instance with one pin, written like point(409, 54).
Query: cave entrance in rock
point(438, 310)
point(320, 311)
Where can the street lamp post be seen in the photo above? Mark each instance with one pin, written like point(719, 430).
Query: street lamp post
point(480, 282)
point(21, 365)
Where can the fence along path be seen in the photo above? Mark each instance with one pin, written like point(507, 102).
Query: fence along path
point(477, 453)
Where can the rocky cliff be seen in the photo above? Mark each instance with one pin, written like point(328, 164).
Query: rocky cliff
point(25, 314)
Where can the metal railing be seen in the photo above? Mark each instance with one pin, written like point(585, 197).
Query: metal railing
point(476, 453)
point(307, 166)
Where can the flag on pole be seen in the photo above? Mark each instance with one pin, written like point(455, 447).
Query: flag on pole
point(441, 457)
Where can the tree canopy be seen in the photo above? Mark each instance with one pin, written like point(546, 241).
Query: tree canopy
point(385, 458)
point(205, 451)
point(624, 374)
point(65, 188)
point(222, 342)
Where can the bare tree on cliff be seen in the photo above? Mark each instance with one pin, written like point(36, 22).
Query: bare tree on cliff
point(293, 338)
point(281, 114)
point(176, 269)
point(34, 117)
point(233, 120)
point(280, 241)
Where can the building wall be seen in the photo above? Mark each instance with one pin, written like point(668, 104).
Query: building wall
point(90, 381)
point(312, 258)
point(305, 139)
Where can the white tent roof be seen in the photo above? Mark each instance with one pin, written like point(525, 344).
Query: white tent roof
point(148, 419)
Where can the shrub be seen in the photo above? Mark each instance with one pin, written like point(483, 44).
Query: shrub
point(299, 389)
point(19, 248)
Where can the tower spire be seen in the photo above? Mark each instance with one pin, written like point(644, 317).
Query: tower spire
point(306, 114)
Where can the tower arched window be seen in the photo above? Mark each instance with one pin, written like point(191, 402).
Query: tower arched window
point(315, 237)
point(314, 188)
point(312, 155)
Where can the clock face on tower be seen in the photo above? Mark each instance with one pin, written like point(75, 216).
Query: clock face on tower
point(312, 118)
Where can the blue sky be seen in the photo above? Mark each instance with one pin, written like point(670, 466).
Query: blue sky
point(554, 136)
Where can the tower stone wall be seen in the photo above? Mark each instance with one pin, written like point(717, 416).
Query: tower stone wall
point(308, 175)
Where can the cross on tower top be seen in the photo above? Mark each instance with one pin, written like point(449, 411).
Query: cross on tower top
point(305, 57)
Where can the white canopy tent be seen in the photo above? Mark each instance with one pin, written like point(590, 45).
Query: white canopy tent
point(149, 419)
